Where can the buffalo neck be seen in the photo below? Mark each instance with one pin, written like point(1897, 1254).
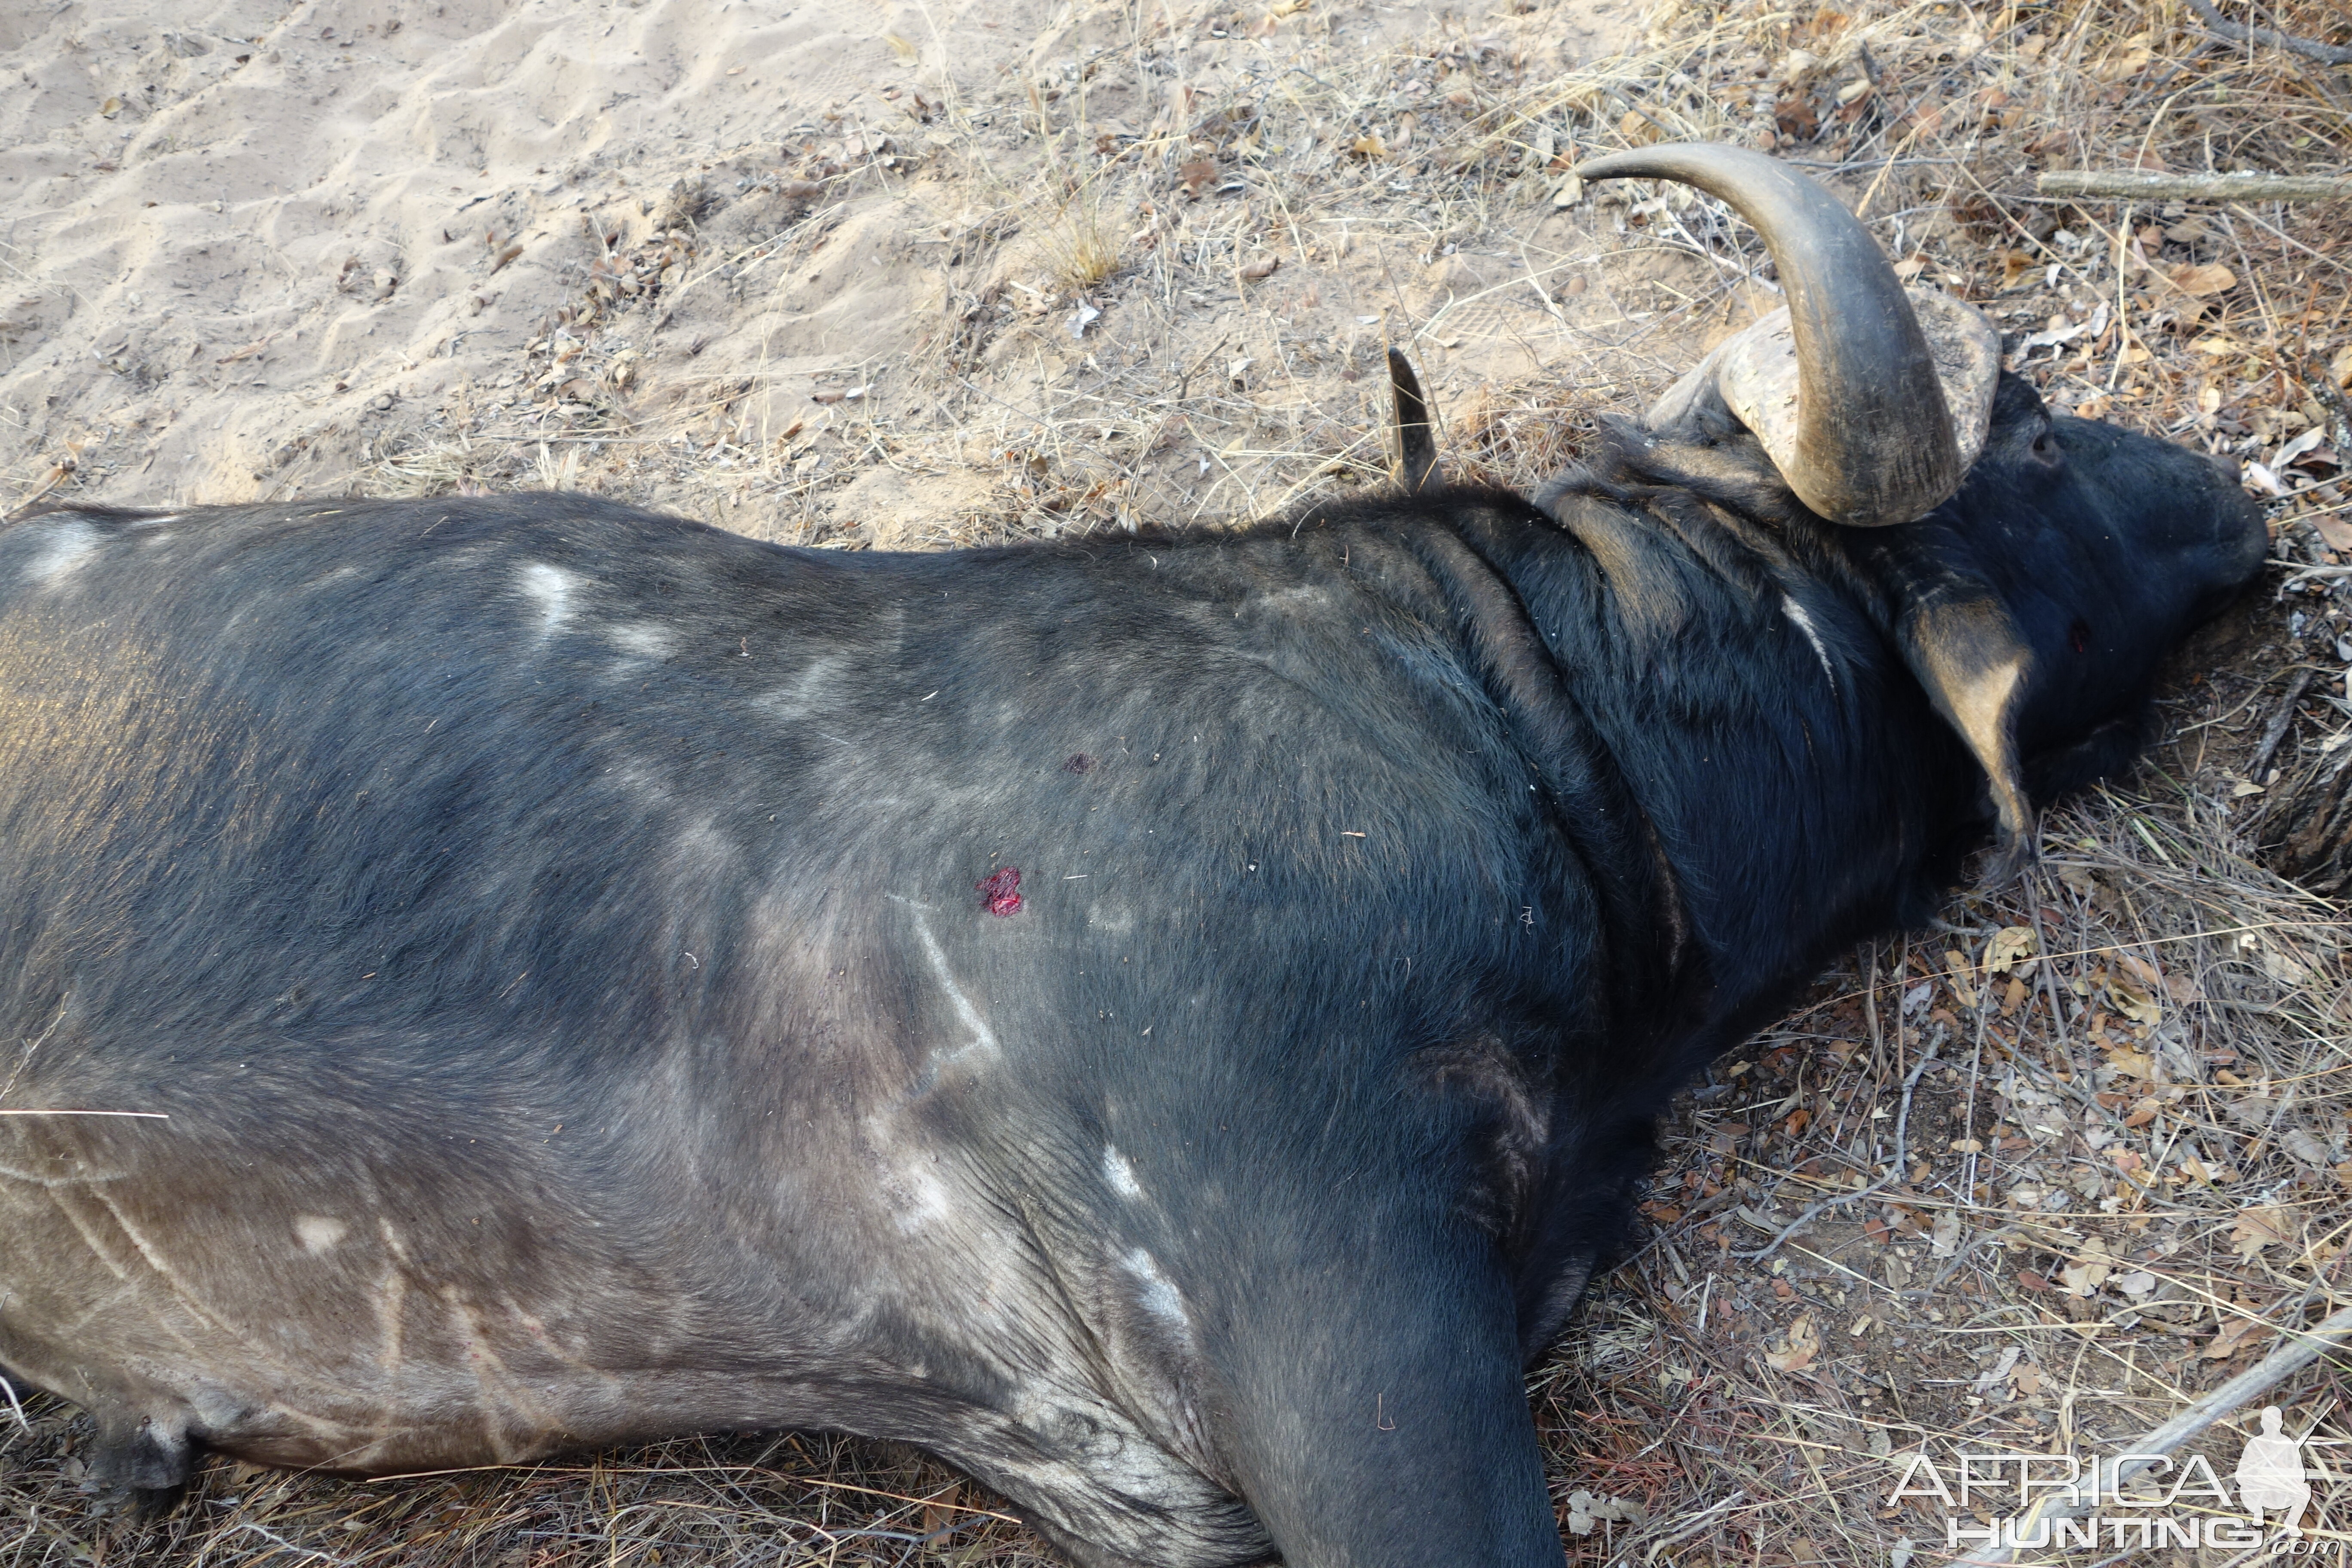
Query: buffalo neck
point(1782, 769)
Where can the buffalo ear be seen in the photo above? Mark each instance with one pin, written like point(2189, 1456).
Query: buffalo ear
point(1967, 653)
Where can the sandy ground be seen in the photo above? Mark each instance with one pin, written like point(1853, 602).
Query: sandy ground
point(887, 262)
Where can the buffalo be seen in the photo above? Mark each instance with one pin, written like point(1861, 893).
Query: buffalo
point(1169, 1023)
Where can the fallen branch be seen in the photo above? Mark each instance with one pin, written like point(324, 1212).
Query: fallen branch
point(2333, 53)
point(2281, 721)
point(2137, 184)
point(2299, 1349)
point(1712, 1515)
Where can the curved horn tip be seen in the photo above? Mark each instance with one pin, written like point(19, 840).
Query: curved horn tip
point(1670, 160)
point(1416, 446)
point(1873, 443)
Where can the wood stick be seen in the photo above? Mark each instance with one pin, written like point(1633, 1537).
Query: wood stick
point(2334, 54)
point(2281, 721)
point(2137, 184)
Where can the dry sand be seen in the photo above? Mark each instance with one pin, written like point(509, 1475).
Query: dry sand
point(264, 252)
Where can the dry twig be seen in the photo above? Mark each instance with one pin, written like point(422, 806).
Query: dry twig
point(2139, 185)
point(2332, 54)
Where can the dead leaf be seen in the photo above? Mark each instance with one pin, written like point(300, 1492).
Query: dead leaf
point(2257, 1228)
point(1639, 129)
point(2304, 1147)
point(1369, 147)
point(2230, 1340)
point(503, 257)
point(1587, 1510)
point(1793, 117)
point(2134, 1002)
point(1260, 270)
point(248, 352)
point(2199, 279)
point(2082, 1278)
point(2337, 533)
point(2129, 62)
point(2013, 949)
point(1803, 1345)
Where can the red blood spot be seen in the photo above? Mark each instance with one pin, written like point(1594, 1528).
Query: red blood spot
point(1000, 891)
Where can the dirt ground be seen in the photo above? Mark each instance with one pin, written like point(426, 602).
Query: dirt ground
point(865, 274)
point(835, 273)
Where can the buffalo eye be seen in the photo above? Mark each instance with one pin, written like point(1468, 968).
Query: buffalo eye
point(2079, 634)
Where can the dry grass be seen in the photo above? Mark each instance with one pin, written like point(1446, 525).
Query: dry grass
point(2125, 1165)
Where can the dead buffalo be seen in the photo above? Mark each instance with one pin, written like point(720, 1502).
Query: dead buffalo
point(1168, 1024)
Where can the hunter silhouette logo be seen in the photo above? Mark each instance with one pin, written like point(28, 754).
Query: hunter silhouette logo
point(2147, 1500)
point(2270, 1473)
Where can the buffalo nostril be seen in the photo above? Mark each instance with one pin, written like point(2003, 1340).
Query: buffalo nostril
point(2227, 465)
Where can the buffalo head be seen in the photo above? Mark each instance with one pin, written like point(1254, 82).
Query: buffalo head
point(2031, 567)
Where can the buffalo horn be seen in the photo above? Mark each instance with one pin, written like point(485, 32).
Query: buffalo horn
point(1416, 448)
point(1873, 441)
